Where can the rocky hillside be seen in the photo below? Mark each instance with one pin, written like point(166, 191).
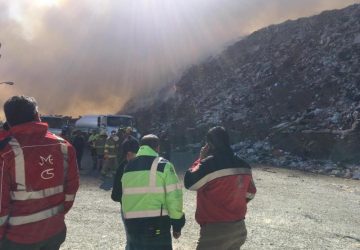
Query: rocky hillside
point(294, 87)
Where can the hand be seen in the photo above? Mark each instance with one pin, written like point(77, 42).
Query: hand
point(176, 235)
point(204, 151)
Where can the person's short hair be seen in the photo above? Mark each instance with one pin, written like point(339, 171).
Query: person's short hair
point(218, 138)
point(150, 140)
point(5, 126)
point(128, 130)
point(20, 109)
point(130, 145)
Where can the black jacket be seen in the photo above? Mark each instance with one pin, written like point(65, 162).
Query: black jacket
point(116, 192)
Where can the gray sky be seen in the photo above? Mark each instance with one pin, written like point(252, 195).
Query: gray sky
point(91, 56)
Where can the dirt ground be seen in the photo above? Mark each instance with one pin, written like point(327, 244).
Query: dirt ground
point(292, 210)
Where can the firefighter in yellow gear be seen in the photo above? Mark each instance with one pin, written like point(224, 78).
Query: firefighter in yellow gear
point(111, 155)
point(99, 144)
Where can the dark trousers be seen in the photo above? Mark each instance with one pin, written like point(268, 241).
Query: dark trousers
point(127, 247)
point(53, 243)
point(100, 161)
point(94, 157)
point(79, 155)
point(149, 241)
point(222, 236)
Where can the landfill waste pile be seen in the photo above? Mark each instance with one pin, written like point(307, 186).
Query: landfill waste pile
point(291, 90)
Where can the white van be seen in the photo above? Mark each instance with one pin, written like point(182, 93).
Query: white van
point(106, 123)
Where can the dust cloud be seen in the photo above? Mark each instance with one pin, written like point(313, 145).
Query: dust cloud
point(91, 56)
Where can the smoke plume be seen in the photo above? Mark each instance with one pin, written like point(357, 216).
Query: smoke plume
point(91, 56)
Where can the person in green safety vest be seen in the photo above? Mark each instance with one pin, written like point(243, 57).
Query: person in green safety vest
point(152, 199)
point(100, 148)
point(111, 155)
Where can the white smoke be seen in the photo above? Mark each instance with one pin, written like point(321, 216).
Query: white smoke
point(89, 56)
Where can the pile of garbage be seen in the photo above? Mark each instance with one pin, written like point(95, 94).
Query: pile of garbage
point(262, 152)
point(295, 85)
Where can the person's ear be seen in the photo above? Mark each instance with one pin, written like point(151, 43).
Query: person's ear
point(6, 126)
point(37, 117)
point(130, 155)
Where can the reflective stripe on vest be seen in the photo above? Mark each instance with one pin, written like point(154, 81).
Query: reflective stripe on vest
point(3, 219)
point(153, 170)
point(69, 197)
point(23, 195)
point(153, 190)
point(19, 164)
point(64, 151)
point(250, 196)
point(42, 215)
point(218, 174)
point(145, 214)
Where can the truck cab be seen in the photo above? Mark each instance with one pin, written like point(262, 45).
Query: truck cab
point(107, 123)
point(56, 124)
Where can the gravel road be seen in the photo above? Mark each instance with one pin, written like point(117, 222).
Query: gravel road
point(292, 210)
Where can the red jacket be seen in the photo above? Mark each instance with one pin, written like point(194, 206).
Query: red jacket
point(224, 185)
point(3, 134)
point(39, 179)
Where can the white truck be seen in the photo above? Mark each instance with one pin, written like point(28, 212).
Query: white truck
point(106, 123)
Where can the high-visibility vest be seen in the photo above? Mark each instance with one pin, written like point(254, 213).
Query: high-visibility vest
point(151, 187)
point(92, 139)
point(111, 148)
point(100, 145)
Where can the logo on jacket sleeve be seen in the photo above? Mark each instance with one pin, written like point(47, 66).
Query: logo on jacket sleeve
point(47, 163)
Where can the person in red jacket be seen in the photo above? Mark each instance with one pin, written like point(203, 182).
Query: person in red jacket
point(224, 186)
point(38, 177)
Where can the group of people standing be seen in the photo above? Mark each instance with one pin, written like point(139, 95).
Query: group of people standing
point(39, 180)
point(151, 195)
point(106, 151)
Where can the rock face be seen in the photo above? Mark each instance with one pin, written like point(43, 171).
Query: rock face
point(295, 86)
